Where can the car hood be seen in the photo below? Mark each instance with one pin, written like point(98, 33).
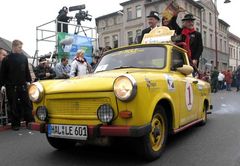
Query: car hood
point(98, 82)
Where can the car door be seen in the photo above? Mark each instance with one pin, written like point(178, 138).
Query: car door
point(186, 89)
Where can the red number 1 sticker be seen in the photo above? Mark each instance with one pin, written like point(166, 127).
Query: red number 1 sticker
point(189, 96)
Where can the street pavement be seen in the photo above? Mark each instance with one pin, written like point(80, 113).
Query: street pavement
point(216, 144)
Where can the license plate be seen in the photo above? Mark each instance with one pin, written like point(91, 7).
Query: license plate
point(68, 131)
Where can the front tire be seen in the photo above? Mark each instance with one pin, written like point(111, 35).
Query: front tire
point(61, 144)
point(204, 118)
point(153, 144)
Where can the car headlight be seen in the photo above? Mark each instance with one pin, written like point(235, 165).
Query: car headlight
point(125, 87)
point(41, 113)
point(105, 113)
point(35, 92)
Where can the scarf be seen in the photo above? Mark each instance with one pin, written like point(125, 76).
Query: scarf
point(81, 60)
point(187, 33)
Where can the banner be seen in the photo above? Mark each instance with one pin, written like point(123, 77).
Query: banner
point(69, 44)
point(171, 10)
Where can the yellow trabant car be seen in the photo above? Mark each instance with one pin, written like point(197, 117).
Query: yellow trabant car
point(145, 92)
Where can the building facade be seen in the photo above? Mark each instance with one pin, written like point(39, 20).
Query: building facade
point(214, 36)
point(124, 27)
point(234, 51)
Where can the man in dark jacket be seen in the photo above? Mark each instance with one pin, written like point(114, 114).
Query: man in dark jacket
point(192, 38)
point(15, 75)
point(43, 71)
point(153, 20)
point(188, 35)
point(214, 80)
point(238, 78)
point(62, 16)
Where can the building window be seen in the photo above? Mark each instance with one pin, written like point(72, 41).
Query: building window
point(129, 13)
point(210, 18)
point(107, 41)
point(211, 41)
point(115, 41)
point(118, 19)
point(225, 46)
point(230, 51)
point(138, 11)
point(102, 23)
point(233, 53)
point(204, 38)
point(130, 37)
point(191, 9)
point(220, 45)
point(110, 21)
point(204, 16)
point(138, 36)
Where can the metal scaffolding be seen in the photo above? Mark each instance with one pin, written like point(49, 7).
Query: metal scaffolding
point(47, 32)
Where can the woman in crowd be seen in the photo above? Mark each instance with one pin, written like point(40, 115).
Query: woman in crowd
point(79, 65)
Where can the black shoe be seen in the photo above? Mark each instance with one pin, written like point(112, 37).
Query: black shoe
point(29, 125)
point(15, 128)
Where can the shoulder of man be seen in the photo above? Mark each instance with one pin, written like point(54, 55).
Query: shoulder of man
point(58, 65)
point(197, 34)
point(146, 30)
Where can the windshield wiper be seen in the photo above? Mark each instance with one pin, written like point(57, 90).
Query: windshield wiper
point(124, 67)
point(119, 67)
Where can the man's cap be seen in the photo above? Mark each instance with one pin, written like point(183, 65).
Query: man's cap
point(188, 17)
point(154, 14)
point(42, 60)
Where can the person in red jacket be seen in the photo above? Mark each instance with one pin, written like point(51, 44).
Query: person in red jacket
point(228, 79)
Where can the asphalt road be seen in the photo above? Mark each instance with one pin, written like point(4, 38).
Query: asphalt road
point(216, 144)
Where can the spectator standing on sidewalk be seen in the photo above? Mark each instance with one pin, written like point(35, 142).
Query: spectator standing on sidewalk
point(229, 79)
point(220, 80)
point(238, 78)
point(43, 71)
point(62, 69)
point(15, 75)
point(214, 80)
point(79, 65)
point(3, 54)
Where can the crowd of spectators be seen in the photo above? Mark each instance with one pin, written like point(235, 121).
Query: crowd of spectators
point(220, 80)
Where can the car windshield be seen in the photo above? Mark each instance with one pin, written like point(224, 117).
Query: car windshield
point(134, 57)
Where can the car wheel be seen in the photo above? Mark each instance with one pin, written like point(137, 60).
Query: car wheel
point(204, 118)
point(61, 144)
point(153, 144)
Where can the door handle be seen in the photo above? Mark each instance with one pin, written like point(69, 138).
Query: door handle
point(195, 82)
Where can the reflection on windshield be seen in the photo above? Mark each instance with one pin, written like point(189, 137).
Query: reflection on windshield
point(139, 57)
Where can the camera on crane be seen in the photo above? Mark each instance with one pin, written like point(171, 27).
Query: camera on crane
point(81, 15)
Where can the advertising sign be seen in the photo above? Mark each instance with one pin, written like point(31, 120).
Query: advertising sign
point(69, 44)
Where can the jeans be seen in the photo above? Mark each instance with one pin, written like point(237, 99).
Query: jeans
point(228, 87)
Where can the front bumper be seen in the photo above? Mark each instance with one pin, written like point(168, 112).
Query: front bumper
point(105, 130)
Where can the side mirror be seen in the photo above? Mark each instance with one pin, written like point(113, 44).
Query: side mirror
point(177, 65)
point(185, 69)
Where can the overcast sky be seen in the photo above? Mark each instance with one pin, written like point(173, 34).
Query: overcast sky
point(20, 18)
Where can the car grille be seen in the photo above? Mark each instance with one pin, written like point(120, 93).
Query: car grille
point(75, 106)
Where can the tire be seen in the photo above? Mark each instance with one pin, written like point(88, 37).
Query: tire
point(61, 144)
point(204, 118)
point(152, 145)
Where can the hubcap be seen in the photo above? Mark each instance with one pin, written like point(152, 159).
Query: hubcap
point(157, 133)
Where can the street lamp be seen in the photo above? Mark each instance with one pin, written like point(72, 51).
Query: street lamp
point(216, 23)
point(227, 1)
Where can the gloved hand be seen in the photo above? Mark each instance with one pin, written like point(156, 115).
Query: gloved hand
point(3, 89)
